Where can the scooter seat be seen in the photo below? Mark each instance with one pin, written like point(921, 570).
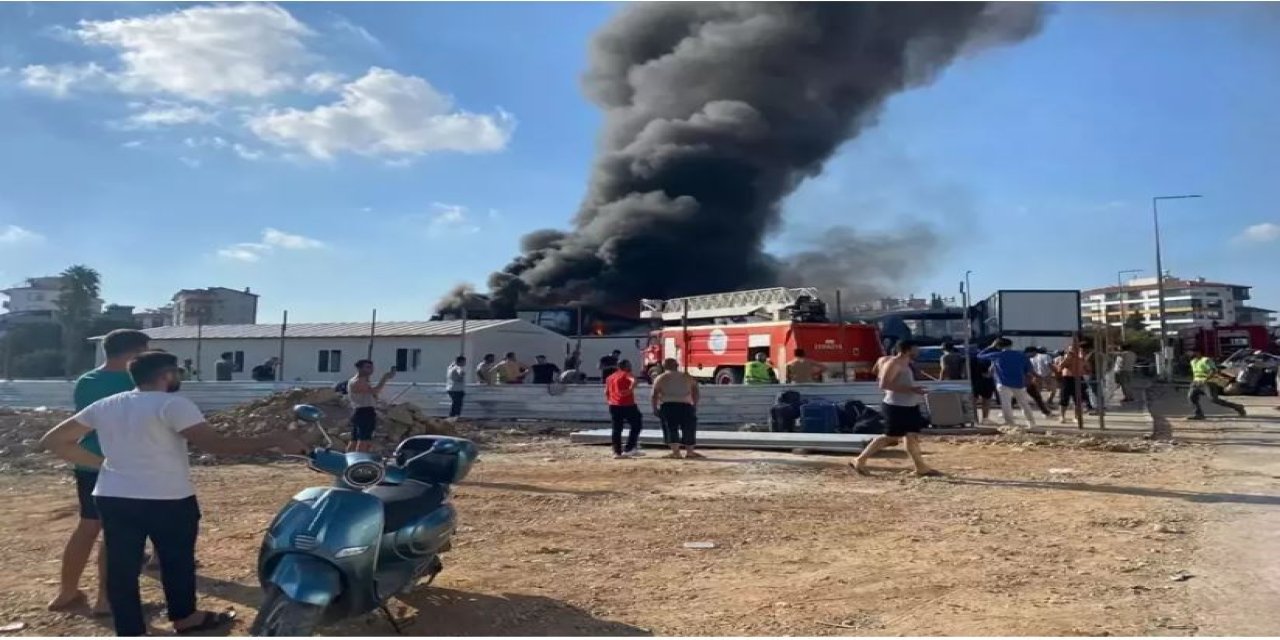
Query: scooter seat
point(404, 503)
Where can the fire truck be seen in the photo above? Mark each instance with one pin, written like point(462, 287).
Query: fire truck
point(713, 336)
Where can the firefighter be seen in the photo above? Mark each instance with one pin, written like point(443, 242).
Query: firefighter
point(758, 370)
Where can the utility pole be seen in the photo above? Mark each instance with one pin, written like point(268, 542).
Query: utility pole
point(1163, 361)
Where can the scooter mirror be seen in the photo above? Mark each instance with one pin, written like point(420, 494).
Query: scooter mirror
point(307, 413)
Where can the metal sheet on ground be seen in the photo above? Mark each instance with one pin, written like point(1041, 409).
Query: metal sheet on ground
point(827, 442)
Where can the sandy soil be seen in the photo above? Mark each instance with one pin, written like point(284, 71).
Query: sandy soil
point(562, 540)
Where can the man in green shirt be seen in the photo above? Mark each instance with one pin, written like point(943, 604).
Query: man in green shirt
point(1202, 370)
point(120, 346)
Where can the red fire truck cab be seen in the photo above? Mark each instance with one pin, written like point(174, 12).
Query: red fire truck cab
point(1221, 341)
point(713, 336)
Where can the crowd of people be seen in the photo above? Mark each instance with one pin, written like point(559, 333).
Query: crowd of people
point(128, 440)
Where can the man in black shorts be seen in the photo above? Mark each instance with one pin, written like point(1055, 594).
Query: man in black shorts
point(984, 386)
point(363, 395)
point(902, 417)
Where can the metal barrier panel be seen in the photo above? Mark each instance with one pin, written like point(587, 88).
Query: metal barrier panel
point(721, 404)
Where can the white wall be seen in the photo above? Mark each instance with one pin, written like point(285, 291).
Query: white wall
point(525, 339)
point(301, 356)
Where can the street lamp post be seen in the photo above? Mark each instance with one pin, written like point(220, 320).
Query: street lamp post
point(1163, 362)
point(1124, 317)
point(968, 324)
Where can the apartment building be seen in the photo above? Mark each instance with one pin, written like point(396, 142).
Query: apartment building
point(214, 306)
point(38, 297)
point(1188, 303)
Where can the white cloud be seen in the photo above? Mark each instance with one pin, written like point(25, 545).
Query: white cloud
point(272, 239)
point(161, 113)
point(216, 142)
point(57, 80)
point(246, 153)
point(450, 219)
point(1264, 232)
point(244, 252)
point(278, 238)
point(12, 234)
point(356, 31)
point(323, 81)
point(132, 144)
point(385, 114)
point(204, 53)
point(193, 163)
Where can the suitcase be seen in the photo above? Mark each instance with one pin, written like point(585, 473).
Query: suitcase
point(949, 409)
point(819, 416)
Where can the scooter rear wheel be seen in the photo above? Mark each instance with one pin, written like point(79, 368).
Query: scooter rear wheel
point(279, 616)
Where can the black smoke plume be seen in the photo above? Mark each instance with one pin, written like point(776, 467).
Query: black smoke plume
point(714, 113)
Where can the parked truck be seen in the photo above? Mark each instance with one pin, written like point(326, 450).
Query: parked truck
point(1045, 318)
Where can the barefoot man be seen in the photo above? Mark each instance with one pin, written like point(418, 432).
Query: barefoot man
point(120, 346)
point(675, 402)
point(902, 415)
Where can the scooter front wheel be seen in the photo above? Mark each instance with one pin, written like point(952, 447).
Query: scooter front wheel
point(281, 616)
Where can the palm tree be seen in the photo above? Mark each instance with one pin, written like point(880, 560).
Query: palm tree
point(77, 304)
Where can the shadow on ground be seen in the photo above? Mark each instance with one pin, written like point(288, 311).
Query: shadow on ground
point(1189, 496)
point(449, 612)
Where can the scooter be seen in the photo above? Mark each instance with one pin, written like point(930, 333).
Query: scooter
point(338, 552)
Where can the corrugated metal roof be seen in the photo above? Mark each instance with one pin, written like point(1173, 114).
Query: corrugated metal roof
point(327, 330)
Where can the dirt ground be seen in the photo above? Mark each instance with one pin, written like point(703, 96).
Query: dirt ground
point(1020, 539)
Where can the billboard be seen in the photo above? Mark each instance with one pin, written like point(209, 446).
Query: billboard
point(1036, 313)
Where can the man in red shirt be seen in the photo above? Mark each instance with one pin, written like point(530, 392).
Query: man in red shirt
point(620, 393)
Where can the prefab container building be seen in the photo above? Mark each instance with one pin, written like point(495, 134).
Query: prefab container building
point(419, 351)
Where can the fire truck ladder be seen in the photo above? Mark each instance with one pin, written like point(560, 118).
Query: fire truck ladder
point(772, 302)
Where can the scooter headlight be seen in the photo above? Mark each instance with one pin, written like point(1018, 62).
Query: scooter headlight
point(363, 474)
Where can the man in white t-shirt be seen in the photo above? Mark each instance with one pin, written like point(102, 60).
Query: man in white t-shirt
point(144, 487)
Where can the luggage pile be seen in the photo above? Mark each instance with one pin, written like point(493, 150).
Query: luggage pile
point(793, 413)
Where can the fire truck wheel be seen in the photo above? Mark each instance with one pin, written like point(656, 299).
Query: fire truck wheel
point(727, 375)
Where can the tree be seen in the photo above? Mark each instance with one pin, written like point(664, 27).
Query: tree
point(81, 286)
point(1135, 322)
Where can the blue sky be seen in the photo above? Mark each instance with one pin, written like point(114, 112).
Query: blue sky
point(339, 157)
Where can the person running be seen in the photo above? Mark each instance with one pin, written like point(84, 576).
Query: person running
point(1011, 368)
point(982, 385)
point(675, 402)
point(120, 346)
point(802, 370)
point(620, 394)
point(485, 370)
point(1202, 370)
point(1035, 381)
point(224, 367)
point(509, 370)
point(1126, 360)
point(364, 402)
point(144, 488)
point(609, 364)
point(1073, 367)
point(544, 372)
point(1042, 366)
point(455, 385)
point(901, 409)
point(951, 364)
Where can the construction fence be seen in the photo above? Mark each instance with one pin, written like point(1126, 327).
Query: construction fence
point(729, 404)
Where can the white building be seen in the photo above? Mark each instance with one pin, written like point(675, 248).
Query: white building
point(39, 296)
point(327, 352)
point(1188, 303)
point(214, 306)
